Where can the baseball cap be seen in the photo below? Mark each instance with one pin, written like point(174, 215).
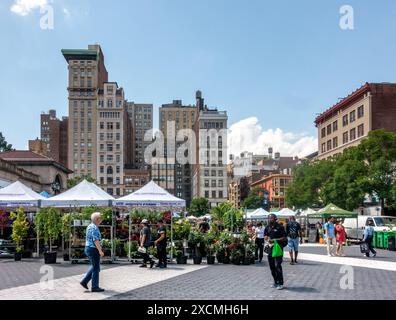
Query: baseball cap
point(144, 221)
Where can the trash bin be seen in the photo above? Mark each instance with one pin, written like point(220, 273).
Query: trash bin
point(374, 243)
point(386, 236)
point(380, 240)
point(392, 241)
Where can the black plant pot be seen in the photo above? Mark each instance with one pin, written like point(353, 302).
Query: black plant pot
point(17, 256)
point(226, 260)
point(236, 261)
point(66, 257)
point(220, 258)
point(50, 257)
point(246, 261)
point(181, 260)
point(197, 260)
point(210, 259)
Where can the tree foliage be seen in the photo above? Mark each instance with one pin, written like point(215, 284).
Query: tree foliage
point(76, 180)
point(344, 180)
point(4, 145)
point(254, 199)
point(199, 207)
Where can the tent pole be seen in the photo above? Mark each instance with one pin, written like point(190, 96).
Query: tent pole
point(129, 235)
point(70, 233)
point(171, 251)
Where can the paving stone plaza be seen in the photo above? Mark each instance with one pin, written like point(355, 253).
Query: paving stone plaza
point(316, 277)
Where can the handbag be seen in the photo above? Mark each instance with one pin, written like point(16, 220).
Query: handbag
point(364, 248)
point(142, 250)
point(267, 249)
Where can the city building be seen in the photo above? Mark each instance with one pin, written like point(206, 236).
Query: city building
point(276, 184)
point(86, 75)
point(210, 179)
point(10, 173)
point(54, 133)
point(134, 179)
point(170, 174)
point(111, 143)
point(371, 107)
point(27, 165)
point(141, 121)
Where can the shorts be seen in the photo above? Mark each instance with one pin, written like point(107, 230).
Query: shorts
point(292, 244)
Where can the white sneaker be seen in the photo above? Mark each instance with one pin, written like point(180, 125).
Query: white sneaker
point(280, 287)
point(273, 286)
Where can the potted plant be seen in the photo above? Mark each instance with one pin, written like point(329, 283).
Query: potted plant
point(210, 239)
point(236, 256)
point(66, 223)
point(195, 240)
point(107, 216)
point(180, 257)
point(117, 247)
point(106, 247)
point(220, 251)
point(20, 228)
point(49, 225)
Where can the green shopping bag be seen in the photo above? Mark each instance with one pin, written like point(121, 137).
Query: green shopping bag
point(277, 250)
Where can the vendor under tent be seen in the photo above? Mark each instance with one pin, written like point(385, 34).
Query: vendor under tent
point(84, 194)
point(150, 195)
point(19, 195)
point(331, 210)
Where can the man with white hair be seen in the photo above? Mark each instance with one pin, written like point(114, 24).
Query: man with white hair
point(93, 250)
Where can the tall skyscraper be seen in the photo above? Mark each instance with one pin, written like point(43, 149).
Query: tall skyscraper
point(111, 151)
point(141, 121)
point(54, 133)
point(210, 173)
point(172, 175)
point(87, 74)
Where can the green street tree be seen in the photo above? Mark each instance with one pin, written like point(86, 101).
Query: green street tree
point(4, 145)
point(76, 180)
point(254, 199)
point(199, 207)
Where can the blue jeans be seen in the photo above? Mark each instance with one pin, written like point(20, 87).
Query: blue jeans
point(93, 272)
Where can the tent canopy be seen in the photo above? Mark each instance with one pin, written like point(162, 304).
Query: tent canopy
point(331, 210)
point(259, 213)
point(84, 194)
point(151, 195)
point(17, 194)
point(284, 213)
point(307, 212)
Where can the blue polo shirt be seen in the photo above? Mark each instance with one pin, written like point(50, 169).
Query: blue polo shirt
point(92, 235)
point(330, 229)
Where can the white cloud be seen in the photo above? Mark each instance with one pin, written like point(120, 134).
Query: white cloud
point(66, 13)
point(25, 7)
point(248, 135)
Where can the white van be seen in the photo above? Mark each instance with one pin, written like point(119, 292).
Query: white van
point(381, 223)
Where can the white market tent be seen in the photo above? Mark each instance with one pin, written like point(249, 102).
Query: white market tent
point(258, 214)
point(84, 194)
point(285, 213)
point(17, 194)
point(307, 211)
point(151, 195)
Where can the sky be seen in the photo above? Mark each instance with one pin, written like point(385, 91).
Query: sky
point(273, 65)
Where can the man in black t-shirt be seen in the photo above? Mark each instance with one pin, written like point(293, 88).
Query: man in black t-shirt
point(275, 231)
point(294, 237)
point(145, 242)
point(161, 244)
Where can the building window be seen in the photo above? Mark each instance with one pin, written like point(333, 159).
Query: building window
point(360, 111)
point(206, 194)
point(101, 158)
point(102, 125)
point(329, 129)
point(345, 120)
point(118, 169)
point(117, 126)
point(335, 142)
point(213, 194)
point(352, 116)
point(345, 137)
point(220, 194)
point(328, 145)
point(361, 130)
point(220, 173)
point(213, 173)
point(323, 147)
point(206, 183)
point(221, 184)
point(323, 132)
point(109, 170)
point(206, 173)
point(213, 183)
point(335, 125)
point(109, 125)
point(352, 134)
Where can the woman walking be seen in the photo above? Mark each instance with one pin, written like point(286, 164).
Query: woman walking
point(340, 238)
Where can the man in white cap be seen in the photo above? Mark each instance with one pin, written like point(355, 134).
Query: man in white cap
point(145, 242)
